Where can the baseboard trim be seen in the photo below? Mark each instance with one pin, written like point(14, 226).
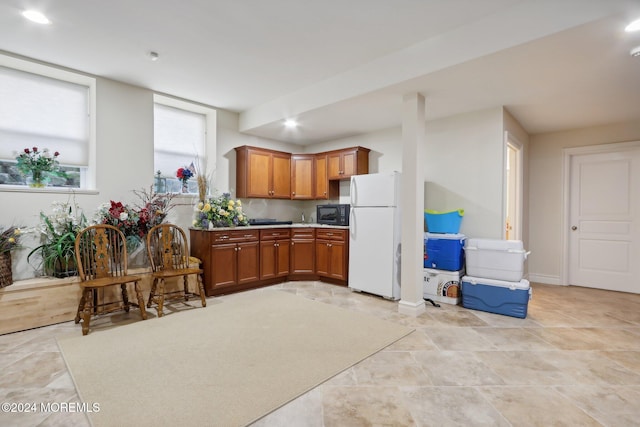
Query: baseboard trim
point(544, 279)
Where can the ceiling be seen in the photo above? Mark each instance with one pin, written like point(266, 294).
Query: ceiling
point(342, 67)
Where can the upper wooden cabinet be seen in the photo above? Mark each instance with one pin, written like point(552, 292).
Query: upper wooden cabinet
point(342, 164)
point(270, 174)
point(302, 176)
point(262, 173)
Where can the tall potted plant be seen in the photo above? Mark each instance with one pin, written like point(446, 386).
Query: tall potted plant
point(58, 231)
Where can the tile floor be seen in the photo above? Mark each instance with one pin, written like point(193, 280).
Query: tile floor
point(574, 361)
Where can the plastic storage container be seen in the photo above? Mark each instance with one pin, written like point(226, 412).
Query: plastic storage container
point(444, 251)
point(442, 286)
point(443, 222)
point(496, 296)
point(495, 259)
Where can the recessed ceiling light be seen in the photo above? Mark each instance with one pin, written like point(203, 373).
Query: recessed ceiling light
point(290, 123)
point(154, 56)
point(35, 16)
point(634, 26)
point(635, 51)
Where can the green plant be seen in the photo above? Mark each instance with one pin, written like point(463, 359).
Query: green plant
point(58, 231)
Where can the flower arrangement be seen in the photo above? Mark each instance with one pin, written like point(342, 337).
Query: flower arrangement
point(221, 211)
point(9, 239)
point(125, 218)
point(58, 231)
point(184, 174)
point(36, 164)
point(135, 221)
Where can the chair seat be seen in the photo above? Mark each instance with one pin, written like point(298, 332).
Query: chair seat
point(109, 281)
point(177, 272)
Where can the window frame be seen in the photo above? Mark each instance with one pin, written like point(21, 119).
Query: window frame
point(88, 174)
point(207, 161)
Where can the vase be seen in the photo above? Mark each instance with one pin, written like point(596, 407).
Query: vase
point(38, 179)
point(185, 187)
point(6, 277)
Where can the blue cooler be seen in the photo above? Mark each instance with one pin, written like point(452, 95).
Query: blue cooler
point(444, 251)
point(496, 296)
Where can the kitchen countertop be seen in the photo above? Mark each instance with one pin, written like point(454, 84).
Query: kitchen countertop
point(259, 227)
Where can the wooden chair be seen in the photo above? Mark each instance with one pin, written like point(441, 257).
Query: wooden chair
point(169, 257)
point(101, 255)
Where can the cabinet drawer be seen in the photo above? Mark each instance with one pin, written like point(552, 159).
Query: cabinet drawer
point(234, 236)
point(331, 234)
point(273, 234)
point(303, 233)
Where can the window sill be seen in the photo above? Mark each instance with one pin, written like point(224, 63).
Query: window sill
point(55, 190)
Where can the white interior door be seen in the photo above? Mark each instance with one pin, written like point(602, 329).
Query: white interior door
point(513, 188)
point(604, 220)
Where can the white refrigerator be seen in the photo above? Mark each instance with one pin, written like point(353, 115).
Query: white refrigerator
point(374, 234)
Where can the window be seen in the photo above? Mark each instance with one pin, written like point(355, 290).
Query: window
point(180, 140)
point(46, 108)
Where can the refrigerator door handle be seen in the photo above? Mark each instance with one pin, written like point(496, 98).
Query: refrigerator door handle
point(352, 192)
point(352, 223)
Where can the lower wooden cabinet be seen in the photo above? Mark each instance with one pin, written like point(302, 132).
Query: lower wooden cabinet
point(246, 258)
point(274, 253)
point(303, 251)
point(230, 258)
point(331, 254)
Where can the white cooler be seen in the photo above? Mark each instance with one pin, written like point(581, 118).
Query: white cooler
point(495, 259)
point(442, 285)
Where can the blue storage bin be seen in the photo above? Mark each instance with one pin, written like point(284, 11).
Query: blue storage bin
point(444, 251)
point(443, 222)
point(496, 296)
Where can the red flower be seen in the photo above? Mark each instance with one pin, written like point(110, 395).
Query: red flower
point(35, 149)
point(26, 150)
point(56, 154)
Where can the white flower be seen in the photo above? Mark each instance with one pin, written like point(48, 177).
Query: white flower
point(124, 216)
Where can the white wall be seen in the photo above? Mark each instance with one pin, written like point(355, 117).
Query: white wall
point(545, 191)
point(464, 169)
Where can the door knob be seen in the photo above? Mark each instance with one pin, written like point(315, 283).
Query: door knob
point(574, 228)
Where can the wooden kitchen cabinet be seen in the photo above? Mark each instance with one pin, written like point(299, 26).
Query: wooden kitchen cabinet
point(324, 189)
point(262, 173)
point(342, 164)
point(302, 176)
point(274, 253)
point(332, 254)
point(303, 251)
point(230, 258)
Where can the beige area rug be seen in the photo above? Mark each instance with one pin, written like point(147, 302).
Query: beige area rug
point(228, 364)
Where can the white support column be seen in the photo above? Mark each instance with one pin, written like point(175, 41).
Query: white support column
point(413, 140)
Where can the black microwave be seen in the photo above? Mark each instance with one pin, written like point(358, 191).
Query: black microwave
point(333, 214)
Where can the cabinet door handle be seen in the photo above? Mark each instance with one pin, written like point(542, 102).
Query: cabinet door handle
point(235, 249)
point(294, 193)
point(248, 235)
point(292, 243)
